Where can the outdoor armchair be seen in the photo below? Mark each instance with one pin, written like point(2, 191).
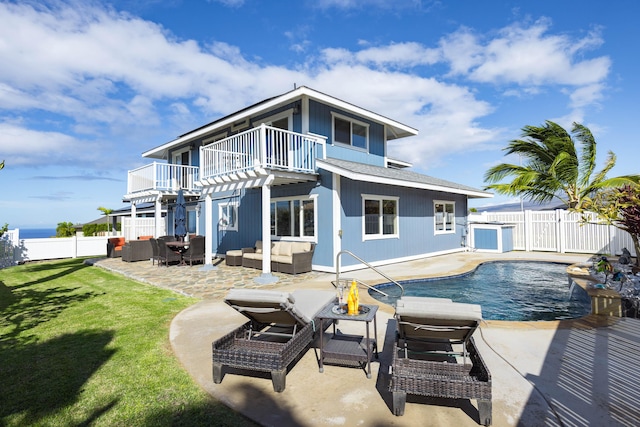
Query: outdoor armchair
point(165, 254)
point(195, 252)
point(280, 328)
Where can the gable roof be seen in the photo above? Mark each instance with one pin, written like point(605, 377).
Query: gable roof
point(394, 128)
point(398, 177)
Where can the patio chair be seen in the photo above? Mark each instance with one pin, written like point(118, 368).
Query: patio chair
point(280, 329)
point(425, 359)
point(165, 254)
point(154, 251)
point(195, 252)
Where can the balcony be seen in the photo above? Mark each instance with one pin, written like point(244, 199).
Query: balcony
point(257, 150)
point(162, 177)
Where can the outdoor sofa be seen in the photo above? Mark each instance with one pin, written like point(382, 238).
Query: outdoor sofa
point(286, 257)
point(425, 361)
point(280, 328)
point(138, 250)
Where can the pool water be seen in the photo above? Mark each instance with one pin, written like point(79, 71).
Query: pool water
point(506, 290)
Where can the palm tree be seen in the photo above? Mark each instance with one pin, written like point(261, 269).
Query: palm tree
point(553, 169)
point(106, 212)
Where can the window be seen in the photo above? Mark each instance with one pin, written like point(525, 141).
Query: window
point(445, 216)
point(191, 221)
point(350, 132)
point(293, 218)
point(228, 214)
point(380, 217)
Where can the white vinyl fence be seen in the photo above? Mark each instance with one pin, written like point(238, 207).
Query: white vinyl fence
point(560, 231)
point(142, 227)
point(14, 250)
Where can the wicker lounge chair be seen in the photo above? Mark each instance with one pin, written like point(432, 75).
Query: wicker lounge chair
point(281, 327)
point(424, 360)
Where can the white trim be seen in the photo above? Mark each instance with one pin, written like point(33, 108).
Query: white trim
point(397, 182)
point(396, 225)
point(278, 101)
point(337, 217)
point(453, 223)
point(329, 269)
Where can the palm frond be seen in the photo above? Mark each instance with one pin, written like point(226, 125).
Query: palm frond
point(588, 156)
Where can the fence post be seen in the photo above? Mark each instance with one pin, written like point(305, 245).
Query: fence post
point(560, 231)
point(74, 242)
point(527, 230)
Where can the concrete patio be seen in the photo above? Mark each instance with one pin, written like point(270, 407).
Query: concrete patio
point(579, 372)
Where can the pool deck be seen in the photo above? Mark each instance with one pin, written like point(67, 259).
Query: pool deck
point(577, 372)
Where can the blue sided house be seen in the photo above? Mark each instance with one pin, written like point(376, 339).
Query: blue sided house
point(309, 168)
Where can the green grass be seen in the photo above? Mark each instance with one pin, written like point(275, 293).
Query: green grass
point(82, 346)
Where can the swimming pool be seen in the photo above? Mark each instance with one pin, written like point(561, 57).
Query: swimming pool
point(506, 290)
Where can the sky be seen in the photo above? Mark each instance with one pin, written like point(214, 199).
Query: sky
point(87, 86)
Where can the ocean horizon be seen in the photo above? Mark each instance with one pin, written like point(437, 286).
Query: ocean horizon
point(36, 233)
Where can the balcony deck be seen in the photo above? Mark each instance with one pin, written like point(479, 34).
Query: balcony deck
point(162, 178)
point(258, 152)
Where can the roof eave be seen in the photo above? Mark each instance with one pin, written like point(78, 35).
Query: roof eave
point(401, 183)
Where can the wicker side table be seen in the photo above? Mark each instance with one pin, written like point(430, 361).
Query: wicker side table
point(347, 349)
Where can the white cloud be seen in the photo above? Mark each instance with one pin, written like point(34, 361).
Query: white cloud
point(109, 72)
point(525, 56)
point(20, 146)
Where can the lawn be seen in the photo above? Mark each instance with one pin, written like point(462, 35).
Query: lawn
point(82, 346)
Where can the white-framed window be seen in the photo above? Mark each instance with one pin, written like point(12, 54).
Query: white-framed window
point(445, 216)
point(192, 221)
point(350, 132)
point(380, 217)
point(294, 217)
point(228, 214)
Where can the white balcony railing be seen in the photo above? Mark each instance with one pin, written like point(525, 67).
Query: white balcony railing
point(263, 147)
point(162, 177)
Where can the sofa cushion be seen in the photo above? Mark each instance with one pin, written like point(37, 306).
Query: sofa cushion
point(282, 248)
point(284, 259)
point(252, 255)
point(117, 241)
point(258, 246)
point(297, 247)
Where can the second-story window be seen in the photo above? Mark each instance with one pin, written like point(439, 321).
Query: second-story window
point(350, 132)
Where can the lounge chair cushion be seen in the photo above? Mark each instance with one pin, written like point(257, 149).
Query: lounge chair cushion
point(259, 296)
point(439, 310)
point(281, 307)
point(309, 302)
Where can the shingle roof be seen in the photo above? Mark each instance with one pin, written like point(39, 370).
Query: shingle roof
point(400, 177)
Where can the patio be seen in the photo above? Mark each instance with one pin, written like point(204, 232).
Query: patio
point(580, 372)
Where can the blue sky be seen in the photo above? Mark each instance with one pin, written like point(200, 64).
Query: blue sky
point(86, 87)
